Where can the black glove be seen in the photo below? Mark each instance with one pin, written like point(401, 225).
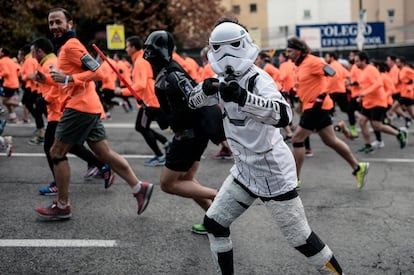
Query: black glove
point(230, 90)
point(210, 86)
point(319, 101)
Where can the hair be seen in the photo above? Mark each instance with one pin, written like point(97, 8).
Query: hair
point(298, 44)
point(363, 56)
point(333, 55)
point(44, 44)
point(392, 57)
point(5, 51)
point(231, 19)
point(25, 49)
point(136, 42)
point(64, 11)
point(402, 59)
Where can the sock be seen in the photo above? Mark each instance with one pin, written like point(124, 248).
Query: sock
point(60, 205)
point(136, 188)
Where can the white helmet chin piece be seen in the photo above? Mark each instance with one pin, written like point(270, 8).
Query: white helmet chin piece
point(231, 48)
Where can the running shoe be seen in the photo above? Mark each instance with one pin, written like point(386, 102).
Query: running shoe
point(299, 185)
point(54, 212)
point(377, 144)
point(224, 153)
point(167, 146)
point(143, 196)
point(408, 122)
point(108, 175)
point(36, 140)
point(309, 153)
point(155, 161)
point(402, 137)
point(366, 149)
point(91, 171)
point(49, 190)
point(199, 229)
point(361, 174)
point(8, 145)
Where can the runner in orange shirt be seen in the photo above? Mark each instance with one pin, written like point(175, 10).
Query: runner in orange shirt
point(396, 106)
point(406, 78)
point(29, 65)
point(374, 103)
point(53, 99)
point(81, 119)
point(336, 87)
point(353, 90)
point(143, 83)
point(263, 62)
point(316, 106)
point(9, 71)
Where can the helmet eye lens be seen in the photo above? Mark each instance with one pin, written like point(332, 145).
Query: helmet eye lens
point(216, 47)
point(235, 44)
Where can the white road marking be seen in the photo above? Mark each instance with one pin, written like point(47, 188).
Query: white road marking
point(390, 160)
point(37, 155)
point(56, 243)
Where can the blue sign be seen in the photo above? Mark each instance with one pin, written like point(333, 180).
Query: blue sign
point(342, 35)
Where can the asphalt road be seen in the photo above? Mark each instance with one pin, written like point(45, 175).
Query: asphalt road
point(370, 231)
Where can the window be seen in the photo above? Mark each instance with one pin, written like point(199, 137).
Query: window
point(307, 14)
point(236, 9)
point(253, 8)
point(391, 39)
point(391, 15)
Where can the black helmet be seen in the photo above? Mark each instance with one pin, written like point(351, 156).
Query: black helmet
point(158, 47)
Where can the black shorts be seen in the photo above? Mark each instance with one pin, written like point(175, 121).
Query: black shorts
point(183, 153)
point(8, 92)
point(315, 120)
point(396, 96)
point(406, 101)
point(374, 114)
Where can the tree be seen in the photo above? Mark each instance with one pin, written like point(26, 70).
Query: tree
point(190, 21)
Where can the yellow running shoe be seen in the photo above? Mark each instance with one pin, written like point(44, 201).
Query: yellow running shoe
point(361, 174)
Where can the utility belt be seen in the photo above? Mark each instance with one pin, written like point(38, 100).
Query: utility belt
point(184, 134)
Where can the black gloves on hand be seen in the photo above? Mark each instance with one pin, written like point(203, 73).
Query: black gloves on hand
point(319, 101)
point(230, 90)
point(210, 86)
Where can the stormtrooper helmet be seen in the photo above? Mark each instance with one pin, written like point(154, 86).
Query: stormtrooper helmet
point(231, 49)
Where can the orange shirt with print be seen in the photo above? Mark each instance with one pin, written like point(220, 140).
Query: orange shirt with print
point(336, 83)
point(29, 67)
point(388, 87)
point(286, 76)
point(371, 87)
point(81, 92)
point(9, 71)
point(406, 78)
point(143, 81)
point(354, 74)
point(50, 90)
point(311, 82)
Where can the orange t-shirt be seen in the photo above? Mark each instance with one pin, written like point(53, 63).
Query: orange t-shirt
point(393, 73)
point(311, 82)
point(336, 83)
point(388, 87)
point(109, 76)
point(205, 72)
point(354, 74)
point(9, 71)
point(406, 75)
point(286, 76)
point(81, 92)
point(28, 67)
point(274, 73)
point(371, 87)
point(143, 81)
point(124, 70)
point(50, 90)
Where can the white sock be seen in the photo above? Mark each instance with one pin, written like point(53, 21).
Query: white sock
point(136, 188)
point(60, 205)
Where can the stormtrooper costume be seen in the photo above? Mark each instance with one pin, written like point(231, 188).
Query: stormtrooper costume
point(264, 166)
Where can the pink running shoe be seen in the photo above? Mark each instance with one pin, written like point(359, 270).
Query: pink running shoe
point(53, 212)
point(143, 196)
